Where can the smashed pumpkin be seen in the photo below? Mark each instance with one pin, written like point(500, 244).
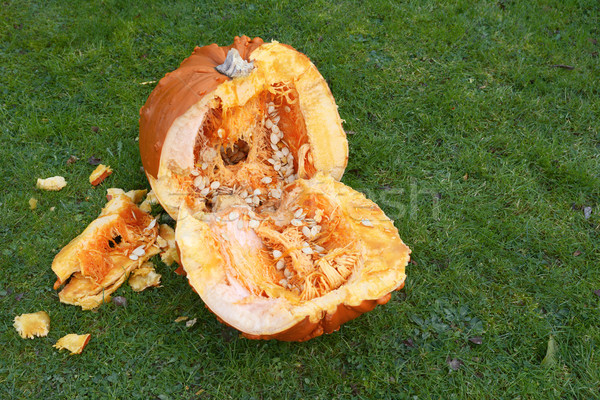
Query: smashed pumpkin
point(244, 147)
point(94, 264)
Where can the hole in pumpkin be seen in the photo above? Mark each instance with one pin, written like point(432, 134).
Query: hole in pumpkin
point(112, 243)
point(236, 153)
point(252, 151)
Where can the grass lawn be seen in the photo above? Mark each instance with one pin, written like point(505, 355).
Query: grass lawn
point(474, 124)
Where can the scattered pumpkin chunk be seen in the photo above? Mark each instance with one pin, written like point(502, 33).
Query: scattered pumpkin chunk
point(54, 183)
point(166, 240)
point(73, 342)
point(150, 200)
point(34, 324)
point(33, 203)
point(144, 277)
point(99, 260)
point(100, 174)
point(135, 195)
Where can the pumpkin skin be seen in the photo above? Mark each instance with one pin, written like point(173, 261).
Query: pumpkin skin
point(249, 167)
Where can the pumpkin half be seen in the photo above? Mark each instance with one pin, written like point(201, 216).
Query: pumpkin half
point(204, 134)
point(244, 147)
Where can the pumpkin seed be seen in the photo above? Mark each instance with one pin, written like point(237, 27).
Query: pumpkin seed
point(280, 264)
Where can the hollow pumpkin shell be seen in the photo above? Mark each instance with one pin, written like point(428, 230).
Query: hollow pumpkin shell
point(199, 123)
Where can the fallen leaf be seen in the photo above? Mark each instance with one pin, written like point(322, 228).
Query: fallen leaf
point(454, 363)
point(550, 358)
point(72, 160)
point(191, 322)
point(181, 319)
point(466, 176)
point(587, 212)
point(476, 340)
point(94, 160)
point(576, 253)
point(120, 301)
point(95, 129)
point(563, 66)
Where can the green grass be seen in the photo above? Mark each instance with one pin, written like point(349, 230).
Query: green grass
point(462, 129)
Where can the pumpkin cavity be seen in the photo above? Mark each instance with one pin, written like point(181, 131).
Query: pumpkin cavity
point(251, 151)
point(300, 250)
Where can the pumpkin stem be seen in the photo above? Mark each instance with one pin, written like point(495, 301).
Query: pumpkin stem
point(235, 66)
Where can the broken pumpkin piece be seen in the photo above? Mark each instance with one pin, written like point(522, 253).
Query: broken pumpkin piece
point(99, 260)
point(166, 241)
point(300, 272)
point(73, 342)
point(144, 277)
point(33, 203)
point(34, 324)
point(245, 120)
point(100, 174)
point(148, 202)
point(135, 195)
point(53, 184)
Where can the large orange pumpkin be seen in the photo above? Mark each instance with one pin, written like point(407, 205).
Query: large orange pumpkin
point(244, 147)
